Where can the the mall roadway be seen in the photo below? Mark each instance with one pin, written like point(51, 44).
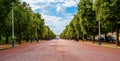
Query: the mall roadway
point(60, 50)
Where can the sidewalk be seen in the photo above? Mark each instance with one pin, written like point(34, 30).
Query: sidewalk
point(107, 45)
point(7, 46)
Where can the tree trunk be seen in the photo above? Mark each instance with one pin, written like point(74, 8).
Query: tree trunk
point(93, 38)
point(27, 38)
point(86, 37)
point(6, 42)
point(31, 38)
point(19, 39)
point(106, 39)
point(117, 41)
point(83, 38)
point(0, 37)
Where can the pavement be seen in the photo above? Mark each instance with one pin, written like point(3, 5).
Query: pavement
point(107, 45)
point(60, 50)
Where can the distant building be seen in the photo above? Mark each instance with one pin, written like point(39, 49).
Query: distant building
point(57, 37)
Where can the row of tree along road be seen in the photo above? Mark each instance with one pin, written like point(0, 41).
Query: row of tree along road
point(27, 24)
point(90, 14)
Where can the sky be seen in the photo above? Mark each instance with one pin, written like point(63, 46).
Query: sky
point(57, 13)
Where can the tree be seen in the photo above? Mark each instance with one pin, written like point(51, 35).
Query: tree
point(5, 13)
point(27, 24)
point(107, 12)
point(48, 34)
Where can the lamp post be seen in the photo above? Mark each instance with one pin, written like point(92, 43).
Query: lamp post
point(12, 24)
point(99, 29)
point(37, 33)
point(99, 40)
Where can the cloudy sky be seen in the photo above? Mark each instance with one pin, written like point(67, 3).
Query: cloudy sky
point(57, 13)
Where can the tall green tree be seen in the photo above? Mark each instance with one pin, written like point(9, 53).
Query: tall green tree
point(5, 19)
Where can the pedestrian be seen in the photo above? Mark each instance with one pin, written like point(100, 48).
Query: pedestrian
point(36, 39)
point(77, 39)
point(99, 40)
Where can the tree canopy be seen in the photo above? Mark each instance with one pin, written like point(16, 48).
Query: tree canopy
point(89, 13)
point(28, 25)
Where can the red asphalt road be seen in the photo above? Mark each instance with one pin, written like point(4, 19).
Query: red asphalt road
point(60, 50)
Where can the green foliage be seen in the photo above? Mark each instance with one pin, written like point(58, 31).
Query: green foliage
point(48, 34)
point(27, 24)
point(89, 13)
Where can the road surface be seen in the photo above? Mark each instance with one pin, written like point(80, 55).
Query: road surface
point(60, 50)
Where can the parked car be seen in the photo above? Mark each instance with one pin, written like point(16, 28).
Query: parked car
point(110, 38)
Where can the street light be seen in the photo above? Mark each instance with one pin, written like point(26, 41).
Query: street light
point(99, 29)
point(99, 41)
point(12, 24)
point(37, 33)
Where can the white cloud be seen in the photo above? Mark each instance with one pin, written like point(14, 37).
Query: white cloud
point(57, 24)
point(70, 16)
point(60, 9)
point(70, 3)
point(42, 1)
point(43, 7)
point(67, 3)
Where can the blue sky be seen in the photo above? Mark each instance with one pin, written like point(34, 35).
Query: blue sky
point(57, 13)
